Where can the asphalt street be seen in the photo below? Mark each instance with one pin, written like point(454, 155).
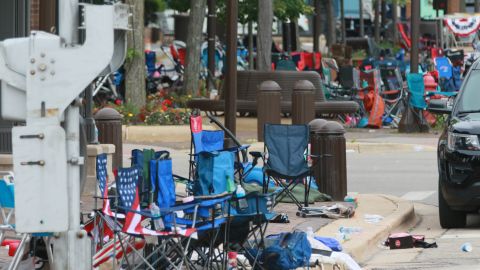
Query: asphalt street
point(413, 176)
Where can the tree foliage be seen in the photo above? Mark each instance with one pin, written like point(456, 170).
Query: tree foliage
point(179, 5)
point(283, 9)
point(291, 9)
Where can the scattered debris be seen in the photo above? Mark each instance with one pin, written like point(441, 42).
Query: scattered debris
point(373, 219)
point(467, 247)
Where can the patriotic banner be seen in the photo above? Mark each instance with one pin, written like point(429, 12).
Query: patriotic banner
point(463, 27)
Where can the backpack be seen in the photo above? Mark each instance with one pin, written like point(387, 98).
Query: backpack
point(287, 251)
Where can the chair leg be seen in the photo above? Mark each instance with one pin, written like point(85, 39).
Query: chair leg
point(287, 189)
point(19, 253)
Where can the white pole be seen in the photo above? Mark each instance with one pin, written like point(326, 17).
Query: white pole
point(69, 252)
point(68, 20)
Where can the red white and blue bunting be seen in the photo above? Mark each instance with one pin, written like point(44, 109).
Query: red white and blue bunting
point(463, 27)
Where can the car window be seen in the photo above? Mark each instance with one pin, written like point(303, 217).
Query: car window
point(471, 93)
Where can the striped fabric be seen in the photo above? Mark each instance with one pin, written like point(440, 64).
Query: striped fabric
point(127, 186)
point(102, 179)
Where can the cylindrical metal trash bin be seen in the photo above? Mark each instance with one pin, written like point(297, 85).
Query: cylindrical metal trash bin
point(268, 106)
point(303, 102)
point(328, 142)
point(109, 125)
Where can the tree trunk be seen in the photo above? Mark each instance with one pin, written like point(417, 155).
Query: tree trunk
point(395, 20)
point(383, 10)
point(317, 26)
point(286, 36)
point(332, 27)
point(264, 35)
point(251, 64)
point(212, 20)
point(377, 4)
point(135, 67)
point(194, 43)
point(295, 35)
point(362, 24)
point(342, 21)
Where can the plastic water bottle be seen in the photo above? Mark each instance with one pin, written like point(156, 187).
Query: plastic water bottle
point(467, 247)
point(350, 230)
point(242, 201)
point(157, 221)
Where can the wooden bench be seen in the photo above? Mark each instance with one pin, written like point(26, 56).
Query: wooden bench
point(247, 87)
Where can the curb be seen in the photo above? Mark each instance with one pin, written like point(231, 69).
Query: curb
point(367, 147)
point(362, 245)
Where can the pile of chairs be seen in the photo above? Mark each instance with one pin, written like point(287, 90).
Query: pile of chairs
point(149, 218)
point(150, 222)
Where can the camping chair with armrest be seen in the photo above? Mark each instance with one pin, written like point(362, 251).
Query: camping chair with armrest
point(211, 214)
point(105, 226)
point(285, 160)
point(416, 104)
point(206, 142)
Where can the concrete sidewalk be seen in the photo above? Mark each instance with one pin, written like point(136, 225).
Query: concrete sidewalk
point(397, 215)
point(360, 140)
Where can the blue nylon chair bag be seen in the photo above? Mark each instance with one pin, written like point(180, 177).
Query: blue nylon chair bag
point(141, 160)
point(214, 170)
point(161, 177)
point(416, 89)
point(287, 251)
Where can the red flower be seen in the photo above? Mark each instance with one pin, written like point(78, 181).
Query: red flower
point(167, 102)
point(141, 116)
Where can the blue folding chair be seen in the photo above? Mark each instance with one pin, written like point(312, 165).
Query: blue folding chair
point(211, 217)
point(285, 158)
point(445, 74)
point(416, 90)
point(207, 146)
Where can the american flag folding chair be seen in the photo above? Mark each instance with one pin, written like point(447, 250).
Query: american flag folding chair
point(204, 251)
point(105, 226)
point(173, 240)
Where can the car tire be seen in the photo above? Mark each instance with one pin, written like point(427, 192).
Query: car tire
point(449, 218)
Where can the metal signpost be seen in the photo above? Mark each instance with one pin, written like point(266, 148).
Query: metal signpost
point(41, 79)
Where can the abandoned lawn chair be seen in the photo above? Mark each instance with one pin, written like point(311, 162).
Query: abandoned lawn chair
point(171, 249)
point(211, 218)
point(105, 226)
point(285, 158)
point(208, 142)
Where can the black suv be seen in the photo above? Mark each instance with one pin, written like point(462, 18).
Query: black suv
point(459, 153)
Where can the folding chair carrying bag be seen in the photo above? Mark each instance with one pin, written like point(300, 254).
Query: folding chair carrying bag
point(215, 170)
